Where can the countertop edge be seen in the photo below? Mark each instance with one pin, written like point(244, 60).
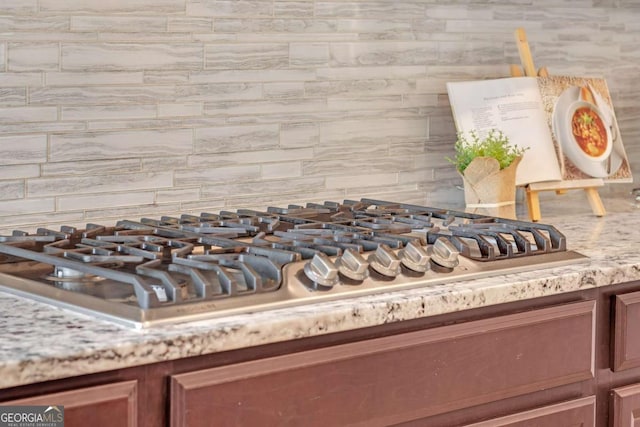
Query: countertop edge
point(135, 348)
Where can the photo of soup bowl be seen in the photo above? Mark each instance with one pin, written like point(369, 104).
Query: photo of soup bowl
point(589, 138)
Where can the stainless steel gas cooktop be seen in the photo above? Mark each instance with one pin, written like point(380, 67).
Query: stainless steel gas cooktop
point(176, 269)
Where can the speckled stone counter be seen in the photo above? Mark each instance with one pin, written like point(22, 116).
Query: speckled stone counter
point(39, 342)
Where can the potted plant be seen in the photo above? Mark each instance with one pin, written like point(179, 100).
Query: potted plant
point(488, 167)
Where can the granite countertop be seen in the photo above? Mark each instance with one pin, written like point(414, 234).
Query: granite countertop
point(40, 342)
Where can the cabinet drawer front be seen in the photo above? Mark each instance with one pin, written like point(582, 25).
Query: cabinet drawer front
point(579, 412)
point(393, 379)
point(105, 405)
point(626, 348)
point(626, 406)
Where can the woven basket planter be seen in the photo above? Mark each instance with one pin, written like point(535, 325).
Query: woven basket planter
point(487, 187)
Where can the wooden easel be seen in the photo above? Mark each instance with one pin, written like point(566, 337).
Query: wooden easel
point(590, 186)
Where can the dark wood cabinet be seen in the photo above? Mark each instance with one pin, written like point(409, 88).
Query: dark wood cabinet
point(626, 346)
point(105, 405)
point(625, 399)
point(398, 378)
point(626, 406)
point(565, 360)
point(578, 413)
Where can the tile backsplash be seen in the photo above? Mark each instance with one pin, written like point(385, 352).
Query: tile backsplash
point(130, 108)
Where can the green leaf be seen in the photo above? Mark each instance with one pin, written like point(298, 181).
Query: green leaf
point(495, 144)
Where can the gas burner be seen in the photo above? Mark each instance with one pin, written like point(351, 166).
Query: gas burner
point(63, 274)
point(187, 267)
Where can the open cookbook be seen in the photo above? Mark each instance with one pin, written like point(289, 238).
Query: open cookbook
point(567, 123)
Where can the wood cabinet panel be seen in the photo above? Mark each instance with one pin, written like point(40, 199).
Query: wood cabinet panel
point(397, 378)
point(578, 413)
point(626, 348)
point(104, 406)
point(626, 406)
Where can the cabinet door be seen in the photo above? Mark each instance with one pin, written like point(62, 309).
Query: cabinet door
point(626, 348)
point(101, 406)
point(626, 406)
point(578, 413)
point(398, 378)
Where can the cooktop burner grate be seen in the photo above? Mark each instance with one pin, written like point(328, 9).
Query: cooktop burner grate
point(185, 267)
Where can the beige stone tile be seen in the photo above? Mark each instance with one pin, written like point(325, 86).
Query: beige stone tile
point(11, 189)
point(299, 135)
point(380, 54)
point(364, 88)
point(19, 171)
point(282, 170)
point(250, 157)
point(32, 128)
point(309, 55)
point(28, 114)
point(48, 36)
point(269, 188)
point(91, 167)
point(147, 38)
point(30, 222)
point(212, 205)
point(23, 149)
point(400, 72)
point(246, 56)
point(130, 56)
point(218, 91)
point(230, 8)
point(333, 167)
point(378, 29)
point(298, 37)
point(242, 76)
point(276, 26)
point(236, 138)
point(159, 124)
point(178, 195)
point(19, 79)
point(175, 161)
point(372, 130)
point(114, 145)
point(108, 112)
point(33, 23)
point(284, 198)
point(217, 176)
point(110, 216)
point(127, 24)
point(371, 10)
point(189, 25)
point(162, 77)
point(41, 127)
point(154, 7)
point(177, 110)
point(353, 150)
point(80, 202)
point(93, 184)
point(350, 180)
point(25, 207)
point(296, 9)
point(283, 90)
point(18, 7)
point(265, 107)
point(92, 95)
point(361, 103)
point(3, 56)
point(32, 56)
point(93, 78)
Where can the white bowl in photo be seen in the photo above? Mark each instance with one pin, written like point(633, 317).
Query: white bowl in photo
point(589, 136)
